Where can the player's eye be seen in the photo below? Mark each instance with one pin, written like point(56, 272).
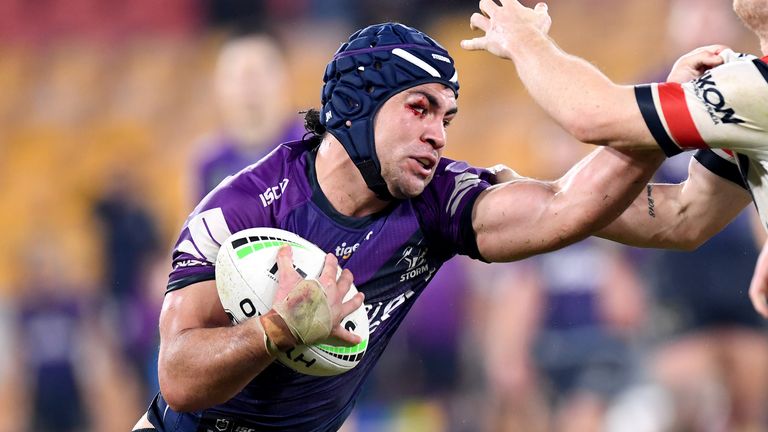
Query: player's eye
point(418, 109)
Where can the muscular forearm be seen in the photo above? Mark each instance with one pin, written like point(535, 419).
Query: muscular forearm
point(656, 218)
point(576, 94)
point(202, 367)
point(676, 216)
point(600, 187)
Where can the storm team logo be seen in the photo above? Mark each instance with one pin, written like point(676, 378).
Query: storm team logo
point(414, 262)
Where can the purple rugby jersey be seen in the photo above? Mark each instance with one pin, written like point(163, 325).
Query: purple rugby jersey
point(392, 254)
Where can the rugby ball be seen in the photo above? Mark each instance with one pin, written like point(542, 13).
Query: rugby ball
point(247, 279)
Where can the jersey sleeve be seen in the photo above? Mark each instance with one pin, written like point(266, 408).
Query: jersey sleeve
point(724, 108)
point(445, 207)
point(221, 213)
point(722, 163)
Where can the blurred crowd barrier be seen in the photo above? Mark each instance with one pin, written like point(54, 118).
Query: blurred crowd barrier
point(104, 108)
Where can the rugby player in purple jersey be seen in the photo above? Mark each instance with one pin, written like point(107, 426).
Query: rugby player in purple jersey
point(371, 177)
point(720, 109)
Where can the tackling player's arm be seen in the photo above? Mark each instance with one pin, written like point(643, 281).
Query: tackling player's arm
point(758, 289)
point(205, 361)
point(680, 216)
point(576, 94)
point(525, 217)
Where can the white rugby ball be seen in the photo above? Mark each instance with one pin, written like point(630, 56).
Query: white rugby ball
point(246, 279)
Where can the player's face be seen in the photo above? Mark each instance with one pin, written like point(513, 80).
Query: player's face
point(410, 135)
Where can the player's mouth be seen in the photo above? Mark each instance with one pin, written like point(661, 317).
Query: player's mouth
point(425, 164)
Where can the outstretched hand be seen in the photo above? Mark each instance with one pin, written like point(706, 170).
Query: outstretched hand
point(335, 288)
point(693, 64)
point(503, 24)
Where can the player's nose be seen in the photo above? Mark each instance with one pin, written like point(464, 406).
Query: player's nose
point(434, 133)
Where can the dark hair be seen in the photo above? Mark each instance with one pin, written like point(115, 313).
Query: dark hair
point(312, 122)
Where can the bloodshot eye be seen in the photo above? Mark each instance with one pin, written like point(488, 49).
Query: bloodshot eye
point(418, 109)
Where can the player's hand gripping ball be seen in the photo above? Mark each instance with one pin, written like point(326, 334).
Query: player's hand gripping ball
point(247, 279)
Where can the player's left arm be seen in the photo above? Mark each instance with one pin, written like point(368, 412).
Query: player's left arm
point(576, 94)
point(525, 217)
point(680, 216)
point(676, 216)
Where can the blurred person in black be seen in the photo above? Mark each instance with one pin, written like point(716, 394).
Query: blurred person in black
point(131, 242)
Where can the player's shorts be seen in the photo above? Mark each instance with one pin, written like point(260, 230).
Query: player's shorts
point(693, 297)
point(587, 359)
point(167, 420)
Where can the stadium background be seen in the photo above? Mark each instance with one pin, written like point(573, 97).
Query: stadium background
point(95, 94)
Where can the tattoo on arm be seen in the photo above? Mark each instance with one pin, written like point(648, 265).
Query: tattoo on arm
point(651, 211)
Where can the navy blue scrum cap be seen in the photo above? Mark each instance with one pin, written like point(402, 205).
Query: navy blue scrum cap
point(376, 63)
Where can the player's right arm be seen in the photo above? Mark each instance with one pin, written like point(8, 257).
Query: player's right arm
point(676, 216)
point(204, 361)
point(683, 216)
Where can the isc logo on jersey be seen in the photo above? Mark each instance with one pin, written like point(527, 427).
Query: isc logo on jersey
point(274, 193)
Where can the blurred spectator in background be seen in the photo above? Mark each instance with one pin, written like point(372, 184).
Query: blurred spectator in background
point(52, 319)
point(131, 241)
point(254, 103)
point(70, 374)
point(558, 329)
point(558, 338)
point(713, 350)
